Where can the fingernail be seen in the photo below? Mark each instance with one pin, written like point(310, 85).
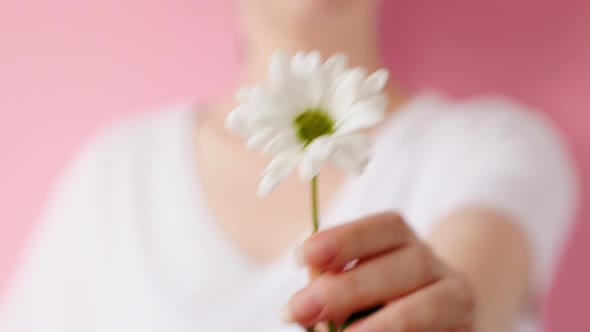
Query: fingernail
point(286, 315)
point(305, 306)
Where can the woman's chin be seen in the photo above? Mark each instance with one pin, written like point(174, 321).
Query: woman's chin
point(300, 10)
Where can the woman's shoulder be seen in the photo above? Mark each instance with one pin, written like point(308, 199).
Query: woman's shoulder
point(490, 111)
point(117, 154)
point(483, 120)
point(136, 132)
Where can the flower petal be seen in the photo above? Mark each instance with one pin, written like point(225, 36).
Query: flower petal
point(351, 153)
point(314, 59)
point(361, 120)
point(316, 153)
point(363, 114)
point(350, 161)
point(278, 169)
point(261, 138)
point(285, 140)
point(242, 94)
point(247, 93)
point(316, 90)
point(239, 122)
point(279, 75)
point(334, 66)
point(327, 76)
point(262, 107)
point(375, 82)
point(345, 91)
point(303, 63)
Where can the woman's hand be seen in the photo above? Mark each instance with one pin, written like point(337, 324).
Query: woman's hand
point(394, 270)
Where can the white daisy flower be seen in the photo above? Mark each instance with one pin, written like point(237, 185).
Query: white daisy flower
point(309, 113)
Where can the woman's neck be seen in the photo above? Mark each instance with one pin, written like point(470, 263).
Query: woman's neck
point(358, 40)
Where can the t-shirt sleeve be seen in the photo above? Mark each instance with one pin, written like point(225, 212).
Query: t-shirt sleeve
point(50, 290)
point(492, 153)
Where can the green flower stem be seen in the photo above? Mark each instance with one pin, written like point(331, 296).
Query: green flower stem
point(316, 226)
point(314, 204)
point(331, 326)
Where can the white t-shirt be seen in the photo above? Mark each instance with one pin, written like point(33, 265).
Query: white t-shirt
point(128, 245)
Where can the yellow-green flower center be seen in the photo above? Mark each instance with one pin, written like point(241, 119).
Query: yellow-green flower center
point(312, 124)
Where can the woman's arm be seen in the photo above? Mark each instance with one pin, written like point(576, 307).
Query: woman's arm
point(492, 252)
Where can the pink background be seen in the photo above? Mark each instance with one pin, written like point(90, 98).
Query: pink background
point(69, 67)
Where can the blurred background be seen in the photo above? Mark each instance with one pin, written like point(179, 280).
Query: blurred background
point(68, 68)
